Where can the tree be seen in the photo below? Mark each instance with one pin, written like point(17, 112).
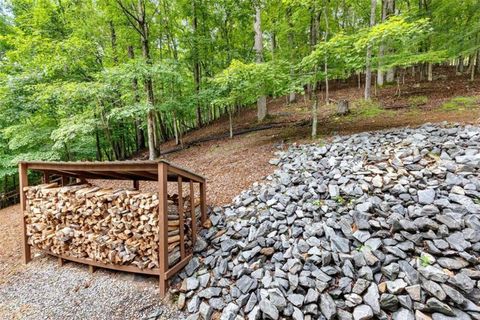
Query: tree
point(368, 69)
point(137, 16)
point(262, 110)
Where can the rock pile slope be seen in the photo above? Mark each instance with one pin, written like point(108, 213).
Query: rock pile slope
point(381, 225)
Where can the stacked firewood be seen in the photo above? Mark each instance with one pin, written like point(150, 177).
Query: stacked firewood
point(109, 226)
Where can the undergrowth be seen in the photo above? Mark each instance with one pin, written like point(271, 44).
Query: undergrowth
point(416, 101)
point(460, 103)
point(367, 109)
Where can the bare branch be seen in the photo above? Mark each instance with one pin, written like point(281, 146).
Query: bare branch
point(129, 15)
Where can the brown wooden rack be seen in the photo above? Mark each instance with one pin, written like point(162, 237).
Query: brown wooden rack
point(160, 171)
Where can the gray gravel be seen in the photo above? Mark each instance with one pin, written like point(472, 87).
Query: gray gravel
point(46, 291)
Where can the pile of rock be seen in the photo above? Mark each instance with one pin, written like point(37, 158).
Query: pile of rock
point(374, 225)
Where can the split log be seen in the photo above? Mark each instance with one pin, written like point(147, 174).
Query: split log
point(118, 226)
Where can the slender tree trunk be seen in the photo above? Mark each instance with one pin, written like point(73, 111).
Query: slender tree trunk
point(152, 151)
point(230, 122)
point(291, 43)
point(314, 31)
point(381, 50)
point(196, 64)
point(327, 93)
point(315, 109)
point(119, 141)
point(390, 10)
point(262, 100)
point(368, 72)
point(175, 129)
point(138, 19)
point(478, 61)
point(98, 155)
point(472, 67)
point(430, 71)
point(460, 65)
point(139, 134)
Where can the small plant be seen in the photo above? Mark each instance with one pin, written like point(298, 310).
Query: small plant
point(416, 101)
point(362, 247)
point(425, 260)
point(317, 202)
point(340, 200)
point(459, 103)
point(476, 200)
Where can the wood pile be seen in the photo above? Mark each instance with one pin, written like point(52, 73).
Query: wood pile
point(109, 226)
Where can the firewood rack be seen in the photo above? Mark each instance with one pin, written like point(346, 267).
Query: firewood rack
point(160, 171)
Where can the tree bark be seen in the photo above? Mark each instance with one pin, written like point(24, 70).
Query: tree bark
point(381, 51)
point(460, 65)
point(430, 71)
point(142, 23)
point(196, 64)
point(368, 71)
point(315, 109)
point(139, 134)
point(230, 122)
point(390, 10)
point(137, 18)
point(327, 93)
point(292, 97)
point(262, 110)
point(478, 61)
point(472, 67)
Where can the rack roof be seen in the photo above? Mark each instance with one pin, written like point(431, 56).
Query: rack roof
point(114, 170)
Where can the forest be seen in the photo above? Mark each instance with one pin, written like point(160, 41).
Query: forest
point(106, 79)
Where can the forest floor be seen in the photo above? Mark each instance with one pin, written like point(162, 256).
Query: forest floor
point(232, 165)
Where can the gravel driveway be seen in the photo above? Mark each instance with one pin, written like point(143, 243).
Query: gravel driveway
point(43, 290)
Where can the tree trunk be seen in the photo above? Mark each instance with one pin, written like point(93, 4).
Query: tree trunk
point(368, 72)
point(478, 60)
point(262, 100)
point(152, 151)
point(138, 19)
point(121, 152)
point(381, 50)
point(314, 109)
point(327, 93)
point(342, 107)
point(139, 134)
point(98, 155)
point(430, 71)
point(390, 75)
point(230, 122)
point(390, 10)
point(175, 130)
point(472, 67)
point(292, 97)
point(196, 64)
point(460, 65)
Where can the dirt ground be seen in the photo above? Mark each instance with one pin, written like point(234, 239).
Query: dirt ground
point(232, 165)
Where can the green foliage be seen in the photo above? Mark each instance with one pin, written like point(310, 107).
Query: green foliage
point(345, 54)
point(340, 200)
point(425, 260)
point(460, 103)
point(242, 83)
